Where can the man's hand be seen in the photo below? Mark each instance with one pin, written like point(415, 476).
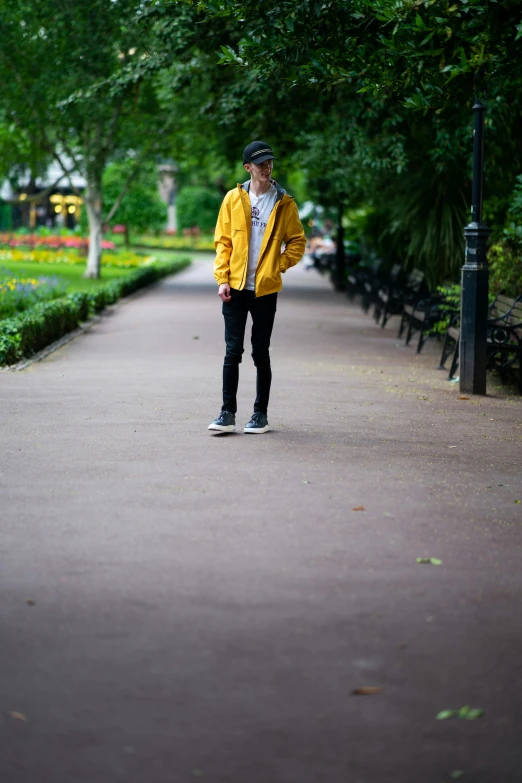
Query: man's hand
point(224, 292)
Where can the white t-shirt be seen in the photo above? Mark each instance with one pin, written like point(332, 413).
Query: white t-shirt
point(262, 206)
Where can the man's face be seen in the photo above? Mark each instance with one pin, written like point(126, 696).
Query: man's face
point(260, 172)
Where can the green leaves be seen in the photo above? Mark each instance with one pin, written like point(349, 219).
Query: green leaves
point(227, 56)
point(429, 560)
point(470, 713)
point(446, 714)
point(464, 713)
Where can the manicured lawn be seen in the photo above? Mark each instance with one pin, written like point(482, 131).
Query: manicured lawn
point(70, 274)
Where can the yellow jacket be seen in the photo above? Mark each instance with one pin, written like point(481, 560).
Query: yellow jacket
point(232, 237)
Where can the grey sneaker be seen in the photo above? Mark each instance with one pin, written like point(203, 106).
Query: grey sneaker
point(225, 422)
point(258, 423)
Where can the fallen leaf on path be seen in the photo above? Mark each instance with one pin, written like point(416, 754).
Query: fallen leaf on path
point(470, 713)
point(307, 482)
point(452, 447)
point(30, 602)
point(18, 716)
point(457, 774)
point(198, 773)
point(465, 713)
point(196, 337)
point(446, 714)
point(462, 397)
point(369, 690)
point(518, 501)
point(429, 560)
point(358, 508)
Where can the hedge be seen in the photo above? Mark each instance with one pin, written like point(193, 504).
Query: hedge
point(23, 335)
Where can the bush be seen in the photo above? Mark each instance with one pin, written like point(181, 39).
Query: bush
point(44, 323)
point(451, 306)
point(197, 206)
point(33, 330)
point(505, 268)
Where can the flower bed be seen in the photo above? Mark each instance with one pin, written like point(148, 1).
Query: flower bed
point(123, 258)
point(23, 335)
point(49, 241)
point(21, 293)
point(171, 242)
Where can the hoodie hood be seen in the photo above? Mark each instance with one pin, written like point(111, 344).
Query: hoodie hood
point(280, 192)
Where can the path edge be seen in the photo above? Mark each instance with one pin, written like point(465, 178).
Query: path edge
point(83, 329)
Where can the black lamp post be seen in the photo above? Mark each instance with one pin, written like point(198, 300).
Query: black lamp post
point(475, 275)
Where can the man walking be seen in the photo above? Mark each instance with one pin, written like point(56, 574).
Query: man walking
point(254, 220)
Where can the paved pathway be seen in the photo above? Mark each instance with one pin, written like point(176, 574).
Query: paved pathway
point(177, 605)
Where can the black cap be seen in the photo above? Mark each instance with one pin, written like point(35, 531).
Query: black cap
point(258, 152)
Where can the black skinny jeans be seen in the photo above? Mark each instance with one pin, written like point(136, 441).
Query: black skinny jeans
point(263, 310)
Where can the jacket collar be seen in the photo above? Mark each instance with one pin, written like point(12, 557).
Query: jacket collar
point(280, 192)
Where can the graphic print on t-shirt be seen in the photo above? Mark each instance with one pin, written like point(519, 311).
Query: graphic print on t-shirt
point(256, 222)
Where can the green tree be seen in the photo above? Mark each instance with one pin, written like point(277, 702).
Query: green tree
point(398, 80)
point(198, 206)
point(141, 208)
point(63, 84)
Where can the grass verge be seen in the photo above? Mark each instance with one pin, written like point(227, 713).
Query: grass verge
point(70, 274)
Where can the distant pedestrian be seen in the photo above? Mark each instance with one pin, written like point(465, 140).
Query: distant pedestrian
point(254, 220)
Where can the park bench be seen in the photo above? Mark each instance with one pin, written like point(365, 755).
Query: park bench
point(504, 340)
point(424, 314)
point(397, 290)
point(371, 285)
point(390, 289)
point(415, 292)
point(362, 280)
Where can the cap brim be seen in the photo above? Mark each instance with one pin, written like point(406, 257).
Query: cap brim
point(262, 159)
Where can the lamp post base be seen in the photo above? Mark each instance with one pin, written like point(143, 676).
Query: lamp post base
point(474, 311)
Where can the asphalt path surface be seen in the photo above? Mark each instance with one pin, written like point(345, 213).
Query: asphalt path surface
point(178, 605)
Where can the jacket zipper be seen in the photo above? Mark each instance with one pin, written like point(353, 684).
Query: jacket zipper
point(245, 268)
point(276, 207)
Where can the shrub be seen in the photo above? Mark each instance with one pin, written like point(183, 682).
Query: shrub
point(505, 268)
point(451, 306)
point(198, 206)
point(33, 330)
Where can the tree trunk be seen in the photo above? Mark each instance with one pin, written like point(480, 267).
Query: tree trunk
point(93, 204)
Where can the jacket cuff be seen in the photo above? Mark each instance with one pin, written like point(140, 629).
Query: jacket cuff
point(222, 279)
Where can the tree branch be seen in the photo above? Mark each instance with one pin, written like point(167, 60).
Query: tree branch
point(67, 172)
point(123, 193)
point(39, 196)
point(134, 171)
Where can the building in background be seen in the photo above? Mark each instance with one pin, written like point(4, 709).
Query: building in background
point(53, 200)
